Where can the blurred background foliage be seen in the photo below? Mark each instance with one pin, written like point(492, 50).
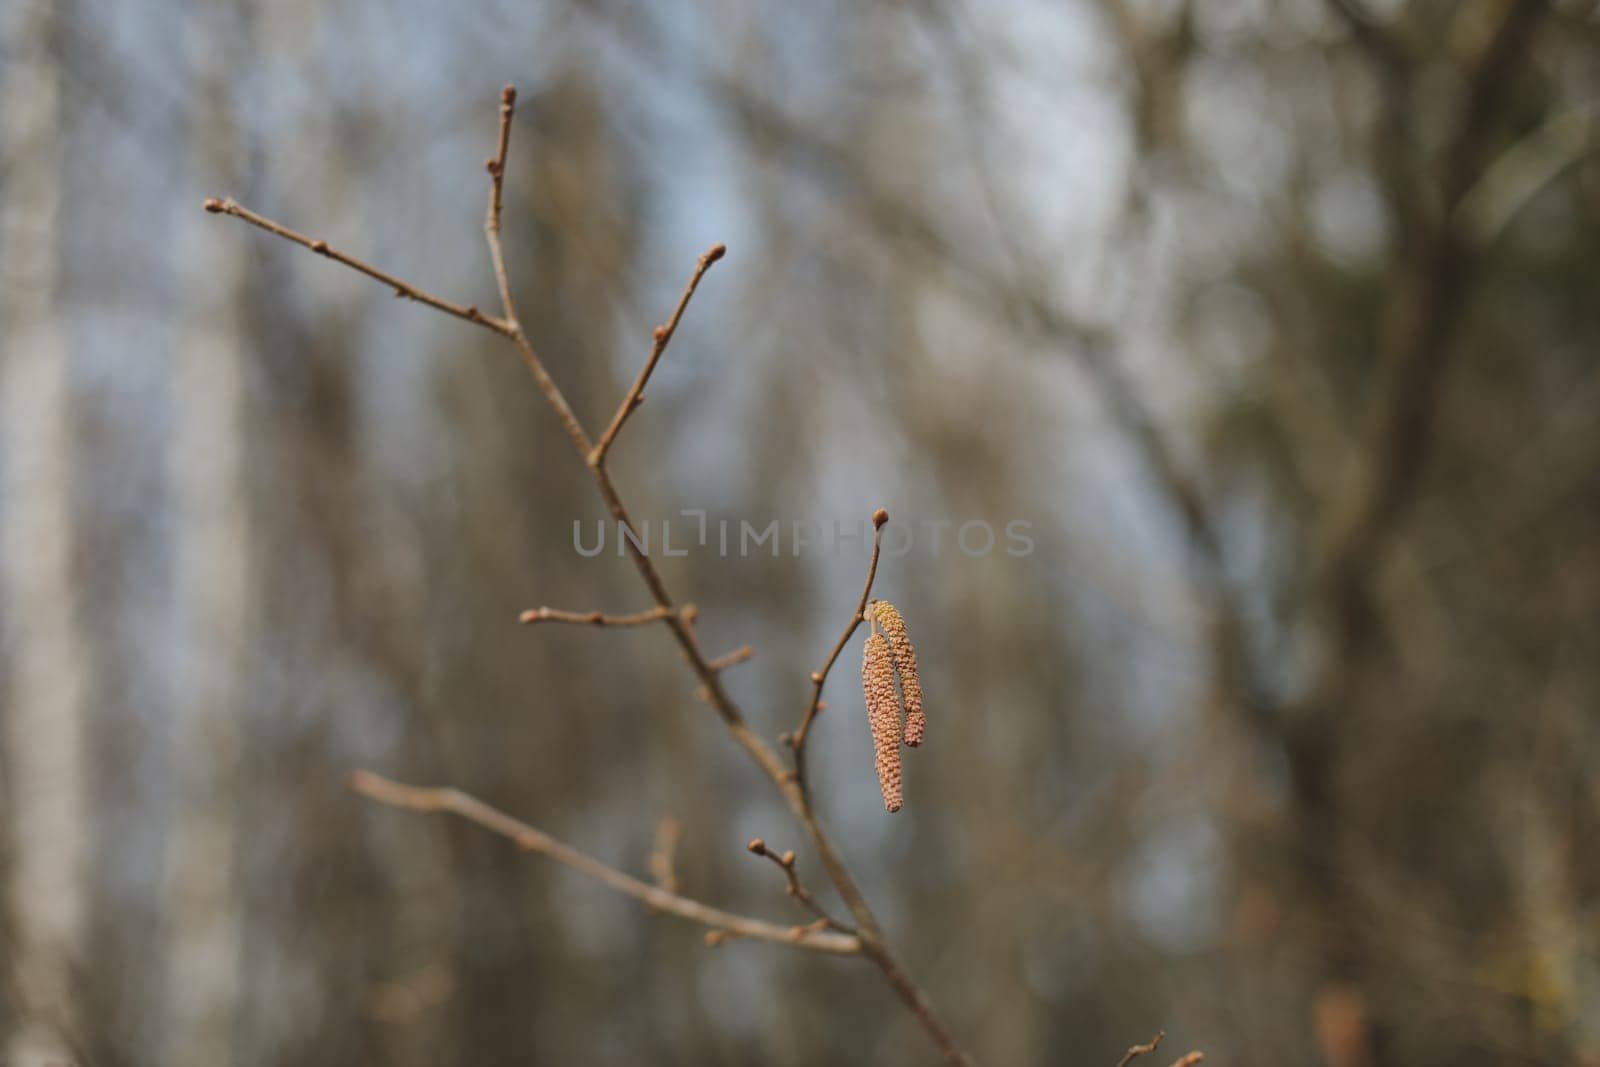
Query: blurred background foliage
point(1277, 321)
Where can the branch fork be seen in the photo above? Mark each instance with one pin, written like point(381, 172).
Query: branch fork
point(825, 934)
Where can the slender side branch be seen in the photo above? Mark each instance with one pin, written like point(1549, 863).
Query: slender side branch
point(496, 166)
point(594, 618)
point(1145, 1049)
point(797, 740)
point(322, 248)
point(416, 798)
point(1188, 1059)
point(786, 863)
point(732, 659)
point(661, 338)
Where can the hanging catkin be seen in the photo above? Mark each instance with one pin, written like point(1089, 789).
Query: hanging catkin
point(883, 716)
point(893, 625)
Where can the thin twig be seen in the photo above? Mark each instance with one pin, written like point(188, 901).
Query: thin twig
point(660, 339)
point(732, 659)
point(797, 740)
point(786, 863)
point(496, 166)
point(594, 618)
point(1142, 1050)
point(322, 248)
point(415, 798)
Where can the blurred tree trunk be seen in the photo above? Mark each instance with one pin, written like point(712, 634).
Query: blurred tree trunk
point(44, 643)
point(213, 594)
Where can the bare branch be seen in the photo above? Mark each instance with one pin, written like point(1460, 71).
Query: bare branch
point(869, 942)
point(1135, 1051)
point(322, 248)
point(496, 166)
point(529, 839)
point(732, 659)
point(819, 678)
point(594, 618)
point(661, 338)
point(786, 863)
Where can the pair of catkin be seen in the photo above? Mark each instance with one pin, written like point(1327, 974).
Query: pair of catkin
point(888, 653)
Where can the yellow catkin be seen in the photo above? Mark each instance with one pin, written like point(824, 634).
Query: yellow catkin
point(883, 716)
point(893, 626)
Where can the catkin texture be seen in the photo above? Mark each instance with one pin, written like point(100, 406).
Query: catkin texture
point(883, 716)
point(904, 655)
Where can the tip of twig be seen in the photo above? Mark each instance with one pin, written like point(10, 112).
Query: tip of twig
point(879, 517)
point(1189, 1059)
point(213, 205)
point(715, 252)
point(758, 846)
point(715, 938)
point(508, 95)
point(531, 615)
point(1135, 1051)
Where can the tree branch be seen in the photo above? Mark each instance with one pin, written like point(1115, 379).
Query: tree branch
point(870, 941)
point(732, 659)
point(322, 248)
point(660, 339)
point(786, 863)
point(593, 618)
point(1135, 1051)
point(819, 678)
point(496, 166)
point(417, 798)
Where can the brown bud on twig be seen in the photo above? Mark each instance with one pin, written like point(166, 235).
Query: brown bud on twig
point(883, 716)
point(893, 626)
